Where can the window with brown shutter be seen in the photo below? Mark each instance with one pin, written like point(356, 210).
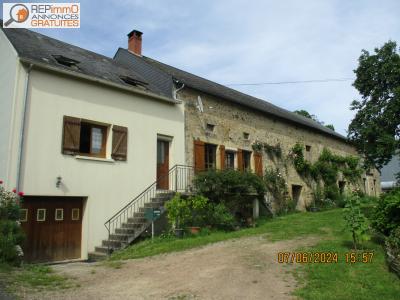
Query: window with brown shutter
point(199, 156)
point(119, 143)
point(258, 166)
point(83, 137)
point(246, 160)
point(71, 135)
point(230, 160)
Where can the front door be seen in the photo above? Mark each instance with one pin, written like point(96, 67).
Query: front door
point(162, 164)
point(53, 228)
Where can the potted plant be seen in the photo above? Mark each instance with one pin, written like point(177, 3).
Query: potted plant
point(199, 207)
point(178, 212)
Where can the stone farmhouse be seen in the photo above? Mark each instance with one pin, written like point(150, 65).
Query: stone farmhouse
point(94, 141)
point(222, 125)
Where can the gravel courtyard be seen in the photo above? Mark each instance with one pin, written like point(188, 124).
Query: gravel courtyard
point(243, 268)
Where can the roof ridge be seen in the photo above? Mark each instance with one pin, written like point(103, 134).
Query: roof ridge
point(283, 110)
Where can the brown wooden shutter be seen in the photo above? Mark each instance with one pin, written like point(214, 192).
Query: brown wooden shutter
point(119, 143)
point(240, 159)
point(258, 165)
point(222, 156)
point(71, 135)
point(199, 156)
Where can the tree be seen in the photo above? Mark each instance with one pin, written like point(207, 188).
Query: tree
point(375, 129)
point(330, 126)
point(304, 113)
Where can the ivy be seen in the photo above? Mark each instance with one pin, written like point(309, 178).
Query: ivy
point(327, 167)
point(277, 187)
point(273, 151)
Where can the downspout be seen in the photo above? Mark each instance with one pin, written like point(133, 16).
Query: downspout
point(177, 90)
point(22, 134)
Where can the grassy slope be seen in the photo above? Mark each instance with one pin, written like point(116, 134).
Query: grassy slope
point(321, 281)
point(32, 277)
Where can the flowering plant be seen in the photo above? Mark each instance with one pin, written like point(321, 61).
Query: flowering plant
point(11, 235)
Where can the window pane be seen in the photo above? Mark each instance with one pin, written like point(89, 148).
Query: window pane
point(59, 214)
point(41, 215)
point(246, 160)
point(97, 140)
point(84, 146)
point(160, 152)
point(210, 156)
point(229, 160)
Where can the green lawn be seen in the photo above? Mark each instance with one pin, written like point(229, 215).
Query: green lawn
point(320, 281)
point(32, 277)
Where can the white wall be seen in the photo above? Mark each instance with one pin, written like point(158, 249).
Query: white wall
point(108, 186)
point(12, 79)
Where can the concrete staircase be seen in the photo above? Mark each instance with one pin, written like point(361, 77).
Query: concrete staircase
point(132, 228)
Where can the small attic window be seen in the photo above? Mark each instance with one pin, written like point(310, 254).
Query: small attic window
point(133, 81)
point(66, 61)
point(246, 136)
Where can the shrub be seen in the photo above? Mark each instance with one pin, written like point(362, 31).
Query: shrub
point(277, 187)
point(178, 211)
point(386, 216)
point(11, 235)
point(332, 192)
point(236, 190)
point(221, 217)
point(393, 241)
point(198, 211)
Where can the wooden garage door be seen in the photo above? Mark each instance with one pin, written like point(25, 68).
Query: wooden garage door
point(53, 228)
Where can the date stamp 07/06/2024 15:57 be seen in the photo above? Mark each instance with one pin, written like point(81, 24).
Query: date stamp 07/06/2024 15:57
point(324, 257)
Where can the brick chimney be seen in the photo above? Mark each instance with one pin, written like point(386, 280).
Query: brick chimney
point(135, 42)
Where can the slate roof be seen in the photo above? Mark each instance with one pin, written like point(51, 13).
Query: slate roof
point(163, 75)
point(41, 49)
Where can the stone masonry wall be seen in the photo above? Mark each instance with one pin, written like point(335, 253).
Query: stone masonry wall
point(232, 120)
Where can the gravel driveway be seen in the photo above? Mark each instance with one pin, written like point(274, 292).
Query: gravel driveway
point(244, 268)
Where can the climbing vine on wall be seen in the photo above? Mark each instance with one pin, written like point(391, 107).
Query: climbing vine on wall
point(273, 151)
point(326, 169)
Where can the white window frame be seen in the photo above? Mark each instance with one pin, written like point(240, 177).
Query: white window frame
point(62, 214)
point(37, 215)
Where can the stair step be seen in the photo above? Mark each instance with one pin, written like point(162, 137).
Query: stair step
point(138, 214)
point(103, 249)
point(154, 204)
point(119, 237)
point(122, 230)
point(112, 243)
point(137, 220)
point(96, 256)
point(132, 225)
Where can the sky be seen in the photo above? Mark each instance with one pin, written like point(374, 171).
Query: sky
point(233, 42)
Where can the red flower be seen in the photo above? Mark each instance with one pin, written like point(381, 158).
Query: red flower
point(14, 190)
point(20, 194)
point(1, 181)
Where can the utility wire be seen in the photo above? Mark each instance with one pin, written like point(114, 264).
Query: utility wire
point(294, 82)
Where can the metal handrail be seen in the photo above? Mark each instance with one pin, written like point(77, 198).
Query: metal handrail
point(179, 180)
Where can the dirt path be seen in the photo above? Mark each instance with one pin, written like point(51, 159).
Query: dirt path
point(245, 268)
